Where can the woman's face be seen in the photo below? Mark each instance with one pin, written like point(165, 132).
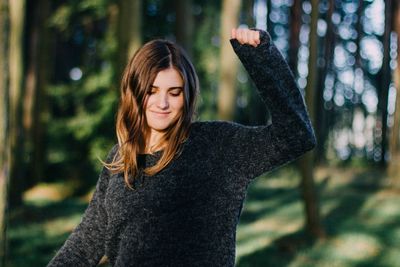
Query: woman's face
point(165, 100)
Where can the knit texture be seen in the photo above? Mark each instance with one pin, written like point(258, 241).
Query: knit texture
point(187, 214)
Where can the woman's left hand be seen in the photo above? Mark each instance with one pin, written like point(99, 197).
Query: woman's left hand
point(246, 36)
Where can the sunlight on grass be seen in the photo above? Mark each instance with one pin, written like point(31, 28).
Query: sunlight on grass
point(283, 220)
point(61, 225)
point(355, 247)
point(391, 257)
point(395, 236)
point(347, 249)
point(388, 208)
point(329, 206)
point(261, 233)
point(361, 213)
point(276, 217)
point(48, 192)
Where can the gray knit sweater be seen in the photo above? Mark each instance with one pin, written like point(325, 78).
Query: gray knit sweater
point(187, 214)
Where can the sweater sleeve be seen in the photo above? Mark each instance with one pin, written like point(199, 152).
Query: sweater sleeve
point(85, 245)
point(255, 150)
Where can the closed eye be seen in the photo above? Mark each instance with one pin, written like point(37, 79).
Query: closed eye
point(175, 92)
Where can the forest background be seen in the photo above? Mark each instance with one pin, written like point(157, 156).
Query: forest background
point(60, 68)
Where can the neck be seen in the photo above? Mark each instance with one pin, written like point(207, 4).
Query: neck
point(153, 142)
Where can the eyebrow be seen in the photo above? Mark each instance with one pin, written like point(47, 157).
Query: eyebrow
point(170, 88)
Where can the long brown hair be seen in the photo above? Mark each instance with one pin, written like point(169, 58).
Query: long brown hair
point(131, 126)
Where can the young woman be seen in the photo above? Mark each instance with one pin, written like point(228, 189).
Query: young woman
point(172, 190)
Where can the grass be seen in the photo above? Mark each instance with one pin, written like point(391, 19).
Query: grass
point(359, 208)
point(360, 214)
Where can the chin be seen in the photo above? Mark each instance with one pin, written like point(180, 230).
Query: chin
point(159, 128)
point(160, 125)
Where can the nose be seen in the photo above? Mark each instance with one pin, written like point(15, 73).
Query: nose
point(162, 102)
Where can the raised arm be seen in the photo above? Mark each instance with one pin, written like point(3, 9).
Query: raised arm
point(258, 149)
point(85, 245)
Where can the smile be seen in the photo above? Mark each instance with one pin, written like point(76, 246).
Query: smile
point(161, 114)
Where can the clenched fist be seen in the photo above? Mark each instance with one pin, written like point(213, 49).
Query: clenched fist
point(246, 36)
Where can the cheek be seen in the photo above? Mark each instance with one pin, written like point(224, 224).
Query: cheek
point(148, 102)
point(179, 103)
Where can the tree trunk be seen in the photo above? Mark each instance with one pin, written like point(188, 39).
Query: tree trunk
point(312, 220)
point(4, 130)
point(248, 6)
point(385, 81)
point(38, 67)
point(269, 22)
point(394, 163)
point(129, 31)
point(17, 179)
point(359, 29)
point(228, 62)
point(184, 24)
point(322, 118)
point(294, 44)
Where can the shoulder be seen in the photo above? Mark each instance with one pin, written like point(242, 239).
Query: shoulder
point(111, 153)
point(215, 128)
point(213, 125)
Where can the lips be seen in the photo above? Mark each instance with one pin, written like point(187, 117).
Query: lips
point(161, 114)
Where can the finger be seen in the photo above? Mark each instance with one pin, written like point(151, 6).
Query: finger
point(257, 37)
point(250, 38)
point(233, 33)
point(245, 36)
point(239, 36)
point(253, 43)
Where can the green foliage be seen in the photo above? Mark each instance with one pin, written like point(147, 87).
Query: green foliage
point(206, 58)
point(84, 116)
point(82, 110)
point(75, 11)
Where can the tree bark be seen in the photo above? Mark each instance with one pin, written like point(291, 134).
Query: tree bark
point(269, 22)
point(248, 6)
point(17, 20)
point(385, 81)
point(129, 31)
point(394, 148)
point(394, 163)
point(311, 206)
point(322, 118)
point(228, 62)
point(4, 130)
point(184, 24)
point(294, 44)
point(38, 66)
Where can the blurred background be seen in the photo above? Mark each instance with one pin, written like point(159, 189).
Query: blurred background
point(61, 63)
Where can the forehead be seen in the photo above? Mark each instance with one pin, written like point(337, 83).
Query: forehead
point(168, 78)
